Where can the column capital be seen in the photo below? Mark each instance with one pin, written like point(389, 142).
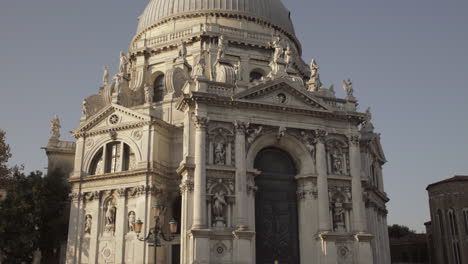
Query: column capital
point(321, 135)
point(201, 121)
point(240, 127)
point(354, 139)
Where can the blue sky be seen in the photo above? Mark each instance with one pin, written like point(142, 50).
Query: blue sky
point(407, 59)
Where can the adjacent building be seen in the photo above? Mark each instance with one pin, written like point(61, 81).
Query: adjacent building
point(448, 229)
point(214, 114)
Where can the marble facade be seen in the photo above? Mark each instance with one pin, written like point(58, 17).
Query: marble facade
point(202, 91)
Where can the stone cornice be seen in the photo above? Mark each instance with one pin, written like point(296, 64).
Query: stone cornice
point(123, 174)
point(211, 99)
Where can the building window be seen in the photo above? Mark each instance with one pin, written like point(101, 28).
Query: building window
point(456, 252)
point(159, 89)
point(453, 223)
point(255, 76)
point(440, 219)
point(111, 158)
point(465, 220)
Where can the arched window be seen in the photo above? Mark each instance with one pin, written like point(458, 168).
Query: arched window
point(465, 220)
point(453, 223)
point(255, 76)
point(159, 88)
point(113, 157)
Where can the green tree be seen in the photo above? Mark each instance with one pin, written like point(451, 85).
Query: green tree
point(5, 155)
point(34, 215)
point(399, 231)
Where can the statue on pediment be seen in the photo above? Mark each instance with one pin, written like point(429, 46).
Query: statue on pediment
point(348, 88)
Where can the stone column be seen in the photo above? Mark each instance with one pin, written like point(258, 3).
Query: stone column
point(73, 232)
point(199, 199)
point(94, 209)
point(120, 225)
point(322, 182)
point(241, 181)
point(355, 165)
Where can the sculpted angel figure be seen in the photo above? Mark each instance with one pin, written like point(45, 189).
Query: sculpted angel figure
point(219, 202)
point(123, 63)
point(348, 88)
point(55, 127)
point(105, 76)
point(253, 134)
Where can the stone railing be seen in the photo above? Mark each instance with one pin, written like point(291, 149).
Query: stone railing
point(221, 90)
point(214, 29)
point(336, 103)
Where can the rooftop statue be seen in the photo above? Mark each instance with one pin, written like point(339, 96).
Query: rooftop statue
point(348, 88)
point(105, 76)
point(123, 63)
point(55, 128)
point(314, 83)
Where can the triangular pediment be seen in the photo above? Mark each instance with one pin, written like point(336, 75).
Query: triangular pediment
point(112, 116)
point(284, 93)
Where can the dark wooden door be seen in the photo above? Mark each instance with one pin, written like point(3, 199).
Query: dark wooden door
point(276, 208)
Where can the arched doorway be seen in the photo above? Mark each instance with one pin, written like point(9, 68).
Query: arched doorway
point(276, 220)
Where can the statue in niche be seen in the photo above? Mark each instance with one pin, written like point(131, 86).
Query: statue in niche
point(199, 69)
point(221, 48)
point(148, 94)
point(348, 88)
point(110, 217)
point(84, 109)
point(281, 97)
point(219, 202)
point(337, 163)
point(88, 223)
point(314, 77)
point(123, 62)
point(279, 49)
point(55, 127)
point(105, 76)
point(182, 50)
point(220, 154)
point(131, 221)
point(253, 134)
point(338, 216)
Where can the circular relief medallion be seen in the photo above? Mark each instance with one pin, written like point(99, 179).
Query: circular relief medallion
point(114, 119)
point(220, 250)
point(137, 134)
point(281, 98)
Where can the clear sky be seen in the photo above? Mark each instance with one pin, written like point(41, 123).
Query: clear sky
point(407, 59)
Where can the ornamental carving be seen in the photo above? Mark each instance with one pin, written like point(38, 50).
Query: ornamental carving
point(137, 134)
point(354, 139)
point(307, 190)
point(186, 184)
point(307, 138)
point(201, 122)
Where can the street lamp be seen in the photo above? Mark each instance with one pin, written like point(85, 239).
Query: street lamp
point(156, 233)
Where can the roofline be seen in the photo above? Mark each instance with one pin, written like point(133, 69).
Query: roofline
point(456, 178)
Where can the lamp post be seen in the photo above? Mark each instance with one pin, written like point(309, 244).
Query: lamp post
point(156, 233)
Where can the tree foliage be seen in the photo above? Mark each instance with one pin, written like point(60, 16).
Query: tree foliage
point(33, 216)
point(399, 231)
point(5, 155)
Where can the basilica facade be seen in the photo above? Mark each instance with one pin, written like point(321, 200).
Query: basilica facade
point(214, 114)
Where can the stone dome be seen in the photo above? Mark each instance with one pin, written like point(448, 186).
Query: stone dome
point(271, 11)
